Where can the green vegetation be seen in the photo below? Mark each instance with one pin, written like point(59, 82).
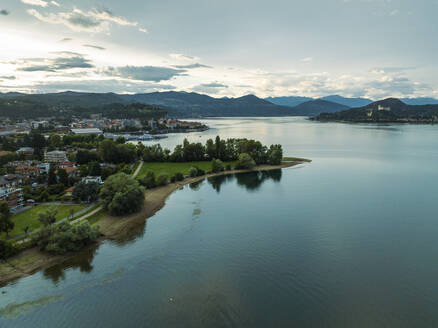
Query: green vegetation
point(217, 165)
point(122, 194)
point(173, 168)
point(245, 162)
point(30, 218)
point(294, 159)
point(67, 237)
point(6, 223)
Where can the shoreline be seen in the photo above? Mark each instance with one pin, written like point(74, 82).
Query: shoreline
point(33, 260)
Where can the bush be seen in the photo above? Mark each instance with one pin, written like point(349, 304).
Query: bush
point(86, 192)
point(228, 167)
point(172, 179)
point(162, 179)
point(149, 180)
point(245, 162)
point(217, 165)
point(193, 172)
point(8, 249)
point(66, 237)
point(179, 176)
point(201, 172)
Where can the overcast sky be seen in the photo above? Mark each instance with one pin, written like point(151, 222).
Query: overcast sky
point(367, 48)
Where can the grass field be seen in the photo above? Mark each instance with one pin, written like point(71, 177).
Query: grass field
point(30, 217)
point(172, 168)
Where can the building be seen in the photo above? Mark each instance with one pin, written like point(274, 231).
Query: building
point(26, 151)
point(14, 198)
point(43, 168)
point(27, 171)
point(10, 181)
point(380, 107)
point(39, 124)
point(90, 179)
point(56, 156)
point(87, 131)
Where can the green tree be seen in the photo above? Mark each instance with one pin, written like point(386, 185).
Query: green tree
point(217, 165)
point(94, 169)
point(63, 177)
point(51, 180)
point(122, 194)
point(275, 154)
point(245, 162)
point(6, 223)
point(55, 140)
point(48, 217)
point(86, 192)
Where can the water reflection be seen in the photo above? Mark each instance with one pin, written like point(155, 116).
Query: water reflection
point(131, 232)
point(251, 181)
point(82, 260)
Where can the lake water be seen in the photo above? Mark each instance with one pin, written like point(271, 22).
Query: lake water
point(349, 240)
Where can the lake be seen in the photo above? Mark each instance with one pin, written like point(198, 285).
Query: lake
point(349, 240)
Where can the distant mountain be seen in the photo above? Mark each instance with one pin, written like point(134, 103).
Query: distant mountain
point(288, 101)
point(184, 104)
point(389, 110)
point(349, 102)
point(315, 107)
point(420, 101)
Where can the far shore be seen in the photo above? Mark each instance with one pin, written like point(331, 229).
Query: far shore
point(32, 260)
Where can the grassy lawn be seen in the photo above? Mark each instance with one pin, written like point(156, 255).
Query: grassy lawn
point(30, 217)
point(172, 168)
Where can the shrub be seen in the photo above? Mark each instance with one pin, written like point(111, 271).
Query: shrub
point(162, 179)
point(228, 167)
point(172, 179)
point(193, 172)
point(201, 172)
point(179, 176)
point(217, 165)
point(149, 180)
point(66, 237)
point(245, 162)
point(8, 249)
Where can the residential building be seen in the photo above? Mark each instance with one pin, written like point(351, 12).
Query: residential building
point(14, 198)
point(87, 131)
point(39, 124)
point(27, 151)
point(56, 156)
point(91, 179)
point(27, 171)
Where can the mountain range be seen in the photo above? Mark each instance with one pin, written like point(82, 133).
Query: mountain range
point(185, 104)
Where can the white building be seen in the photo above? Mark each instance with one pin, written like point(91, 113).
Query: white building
point(39, 124)
point(90, 179)
point(56, 156)
point(87, 131)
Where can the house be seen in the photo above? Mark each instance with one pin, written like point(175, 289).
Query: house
point(91, 179)
point(26, 151)
point(27, 171)
point(14, 198)
point(56, 156)
point(10, 181)
point(72, 172)
point(43, 168)
point(39, 124)
point(63, 165)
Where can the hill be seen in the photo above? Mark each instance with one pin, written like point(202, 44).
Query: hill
point(349, 102)
point(315, 107)
point(288, 101)
point(389, 110)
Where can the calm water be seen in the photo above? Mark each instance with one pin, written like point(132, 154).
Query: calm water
point(349, 240)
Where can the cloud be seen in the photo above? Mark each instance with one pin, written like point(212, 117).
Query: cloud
point(95, 20)
point(195, 65)
point(143, 30)
point(64, 61)
point(4, 12)
point(65, 40)
point(91, 85)
point(392, 69)
point(394, 12)
point(307, 59)
point(93, 46)
point(11, 77)
point(55, 3)
point(40, 3)
point(211, 88)
point(183, 57)
point(142, 73)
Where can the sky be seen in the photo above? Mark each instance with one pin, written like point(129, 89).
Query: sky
point(354, 48)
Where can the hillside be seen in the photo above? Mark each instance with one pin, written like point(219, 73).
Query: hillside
point(349, 102)
point(389, 110)
point(288, 101)
point(315, 107)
